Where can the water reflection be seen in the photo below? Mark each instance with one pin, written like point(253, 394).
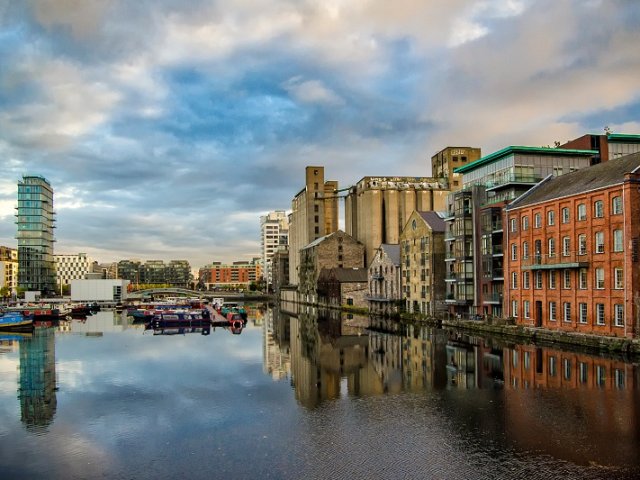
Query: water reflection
point(37, 375)
point(569, 405)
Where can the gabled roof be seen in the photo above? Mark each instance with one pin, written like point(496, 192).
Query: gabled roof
point(598, 176)
point(434, 220)
point(317, 241)
point(492, 157)
point(393, 252)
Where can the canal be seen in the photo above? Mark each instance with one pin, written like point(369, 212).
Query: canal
point(308, 395)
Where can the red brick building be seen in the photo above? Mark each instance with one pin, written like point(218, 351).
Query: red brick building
point(238, 274)
point(572, 251)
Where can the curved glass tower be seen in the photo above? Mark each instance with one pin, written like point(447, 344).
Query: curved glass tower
point(35, 221)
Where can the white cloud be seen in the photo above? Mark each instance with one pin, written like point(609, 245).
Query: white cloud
point(311, 91)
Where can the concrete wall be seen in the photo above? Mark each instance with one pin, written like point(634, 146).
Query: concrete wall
point(97, 290)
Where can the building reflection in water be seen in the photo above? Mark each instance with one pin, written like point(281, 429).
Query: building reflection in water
point(37, 382)
point(575, 406)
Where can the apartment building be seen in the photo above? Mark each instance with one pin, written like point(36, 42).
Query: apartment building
point(35, 220)
point(422, 262)
point(572, 247)
point(608, 146)
point(474, 238)
point(235, 275)
point(274, 233)
point(9, 269)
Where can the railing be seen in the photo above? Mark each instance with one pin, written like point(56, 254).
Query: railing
point(492, 298)
point(512, 178)
point(556, 260)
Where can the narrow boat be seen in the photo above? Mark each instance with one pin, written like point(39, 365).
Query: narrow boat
point(16, 321)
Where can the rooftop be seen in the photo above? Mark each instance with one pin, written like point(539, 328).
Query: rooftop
point(598, 176)
point(514, 149)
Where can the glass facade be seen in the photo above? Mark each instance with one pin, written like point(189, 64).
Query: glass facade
point(35, 222)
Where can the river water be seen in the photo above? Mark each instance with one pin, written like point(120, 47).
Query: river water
point(308, 396)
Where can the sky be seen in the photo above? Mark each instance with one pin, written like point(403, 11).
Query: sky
point(168, 127)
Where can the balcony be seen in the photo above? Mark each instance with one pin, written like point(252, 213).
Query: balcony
point(497, 274)
point(555, 261)
point(506, 180)
point(492, 299)
point(497, 251)
point(459, 277)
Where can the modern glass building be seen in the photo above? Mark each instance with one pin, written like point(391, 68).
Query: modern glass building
point(35, 221)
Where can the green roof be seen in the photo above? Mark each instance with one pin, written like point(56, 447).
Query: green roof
point(492, 157)
point(623, 137)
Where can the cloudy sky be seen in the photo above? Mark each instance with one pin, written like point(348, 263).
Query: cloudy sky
point(167, 127)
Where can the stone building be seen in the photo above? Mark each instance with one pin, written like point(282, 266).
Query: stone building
point(280, 269)
point(572, 247)
point(343, 286)
point(336, 250)
point(384, 279)
point(422, 263)
point(314, 214)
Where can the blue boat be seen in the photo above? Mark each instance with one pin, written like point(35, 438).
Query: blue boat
point(16, 322)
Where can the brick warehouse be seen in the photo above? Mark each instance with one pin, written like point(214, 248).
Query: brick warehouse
point(572, 251)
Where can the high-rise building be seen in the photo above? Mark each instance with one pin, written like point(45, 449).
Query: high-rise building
point(35, 221)
point(314, 214)
point(274, 232)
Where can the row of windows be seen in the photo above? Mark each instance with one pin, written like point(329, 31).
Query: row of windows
point(599, 244)
point(581, 214)
point(600, 371)
point(599, 315)
point(566, 279)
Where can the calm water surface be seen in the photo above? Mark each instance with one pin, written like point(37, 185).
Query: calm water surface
point(306, 396)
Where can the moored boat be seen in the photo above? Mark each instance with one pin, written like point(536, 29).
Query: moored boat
point(16, 322)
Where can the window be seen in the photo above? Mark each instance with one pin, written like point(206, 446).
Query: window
point(552, 311)
point(514, 308)
point(551, 217)
point(618, 278)
point(552, 279)
point(582, 212)
point(599, 278)
point(601, 376)
point(618, 315)
point(617, 241)
point(583, 372)
point(566, 306)
point(537, 220)
point(525, 222)
point(616, 205)
point(525, 280)
point(566, 279)
point(553, 369)
point(514, 280)
point(566, 246)
point(598, 209)
point(582, 279)
point(582, 244)
point(513, 225)
point(514, 251)
point(552, 247)
point(582, 312)
point(567, 368)
point(599, 242)
point(526, 310)
point(525, 250)
point(600, 313)
point(538, 279)
point(618, 376)
point(565, 215)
